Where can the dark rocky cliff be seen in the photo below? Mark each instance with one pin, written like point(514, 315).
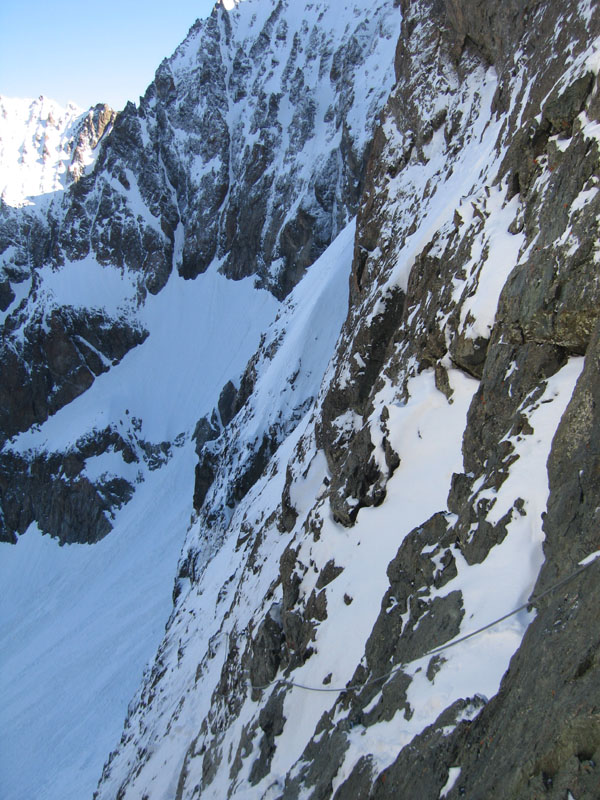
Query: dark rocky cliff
point(539, 736)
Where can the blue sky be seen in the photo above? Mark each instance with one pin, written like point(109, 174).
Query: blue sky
point(89, 52)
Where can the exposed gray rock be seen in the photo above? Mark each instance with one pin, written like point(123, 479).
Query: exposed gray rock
point(271, 721)
point(206, 431)
point(553, 745)
point(6, 295)
point(227, 403)
point(53, 490)
point(267, 649)
point(60, 354)
point(96, 124)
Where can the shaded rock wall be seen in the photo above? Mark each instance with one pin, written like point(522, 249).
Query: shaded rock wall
point(61, 352)
point(539, 735)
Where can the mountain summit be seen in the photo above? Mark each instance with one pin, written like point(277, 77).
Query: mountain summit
point(300, 357)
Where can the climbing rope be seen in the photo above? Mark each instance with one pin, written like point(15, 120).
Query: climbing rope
point(357, 686)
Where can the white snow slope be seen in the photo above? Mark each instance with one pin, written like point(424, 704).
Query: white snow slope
point(79, 623)
point(37, 142)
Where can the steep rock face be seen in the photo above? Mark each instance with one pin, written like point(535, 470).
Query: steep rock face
point(269, 102)
point(60, 353)
point(372, 540)
point(95, 125)
point(236, 117)
point(538, 326)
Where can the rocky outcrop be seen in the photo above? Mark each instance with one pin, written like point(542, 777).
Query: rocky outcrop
point(65, 493)
point(51, 491)
point(96, 124)
point(53, 358)
point(47, 362)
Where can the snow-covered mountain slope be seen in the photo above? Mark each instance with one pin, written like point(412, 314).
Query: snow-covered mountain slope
point(247, 152)
point(409, 454)
point(289, 370)
point(406, 510)
point(67, 612)
point(44, 147)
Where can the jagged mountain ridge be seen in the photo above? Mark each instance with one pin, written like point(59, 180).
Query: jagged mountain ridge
point(244, 112)
point(405, 506)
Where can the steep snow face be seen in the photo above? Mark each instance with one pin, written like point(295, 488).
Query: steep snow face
point(130, 431)
point(109, 602)
point(43, 147)
point(78, 625)
point(289, 369)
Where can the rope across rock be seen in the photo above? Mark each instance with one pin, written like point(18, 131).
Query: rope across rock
point(584, 565)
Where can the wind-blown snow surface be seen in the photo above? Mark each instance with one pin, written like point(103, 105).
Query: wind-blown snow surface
point(37, 139)
point(78, 623)
point(77, 626)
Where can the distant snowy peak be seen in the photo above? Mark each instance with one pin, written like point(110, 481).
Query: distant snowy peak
point(44, 146)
